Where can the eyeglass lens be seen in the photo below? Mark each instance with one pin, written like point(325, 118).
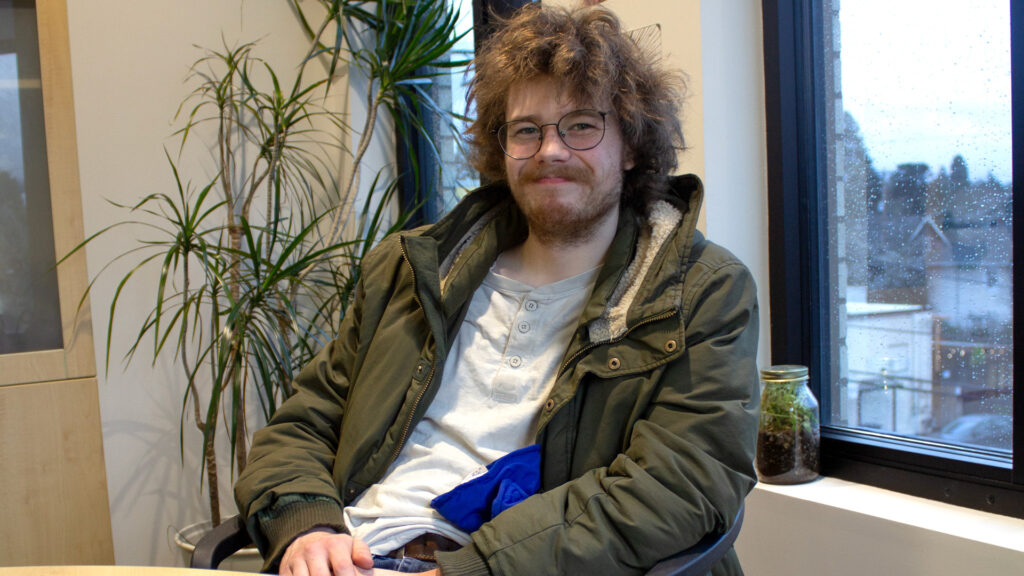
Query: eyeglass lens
point(579, 130)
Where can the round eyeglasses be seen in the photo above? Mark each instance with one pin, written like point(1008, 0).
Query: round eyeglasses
point(579, 130)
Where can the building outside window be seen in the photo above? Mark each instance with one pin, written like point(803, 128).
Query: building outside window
point(920, 218)
point(891, 164)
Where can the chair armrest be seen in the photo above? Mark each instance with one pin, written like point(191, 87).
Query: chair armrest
point(219, 543)
point(699, 558)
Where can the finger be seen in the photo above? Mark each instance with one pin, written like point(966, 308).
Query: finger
point(320, 566)
point(361, 556)
point(311, 561)
point(295, 568)
point(339, 556)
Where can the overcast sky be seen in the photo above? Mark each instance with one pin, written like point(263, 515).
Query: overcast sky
point(928, 79)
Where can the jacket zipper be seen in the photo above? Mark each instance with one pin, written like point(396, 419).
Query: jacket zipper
point(430, 377)
point(412, 270)
point(579, 353)
point(589, 347)
point(408, 423)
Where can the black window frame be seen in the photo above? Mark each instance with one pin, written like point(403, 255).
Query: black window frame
point(795, 113)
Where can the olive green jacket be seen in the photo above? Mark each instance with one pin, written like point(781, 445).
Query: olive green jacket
point(647, 435)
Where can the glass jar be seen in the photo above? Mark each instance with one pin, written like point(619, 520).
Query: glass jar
point(788, 437)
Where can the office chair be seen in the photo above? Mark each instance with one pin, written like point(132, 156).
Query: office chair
point(231, 536)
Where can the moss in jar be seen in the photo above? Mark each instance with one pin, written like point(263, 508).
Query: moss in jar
point(788, 437)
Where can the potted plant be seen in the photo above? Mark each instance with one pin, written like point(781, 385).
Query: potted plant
point(788, 436)
point(256, 267)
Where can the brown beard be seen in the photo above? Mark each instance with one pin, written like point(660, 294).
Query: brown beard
point(566, 225)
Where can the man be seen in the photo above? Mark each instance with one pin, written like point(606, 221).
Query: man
point(570, 304)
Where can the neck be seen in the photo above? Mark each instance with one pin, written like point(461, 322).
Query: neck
point(541, 260)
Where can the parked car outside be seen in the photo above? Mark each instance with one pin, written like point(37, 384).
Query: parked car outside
point(990, 430)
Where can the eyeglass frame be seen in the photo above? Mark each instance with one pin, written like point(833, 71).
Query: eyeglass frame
point(561, 136)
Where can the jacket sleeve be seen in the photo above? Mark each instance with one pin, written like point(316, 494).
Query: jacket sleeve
point(287, 486)
point(686, 469)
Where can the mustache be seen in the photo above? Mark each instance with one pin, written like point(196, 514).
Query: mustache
point(573, 173)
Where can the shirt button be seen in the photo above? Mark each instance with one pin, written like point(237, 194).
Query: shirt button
point(524, 327)
point(531, 305)
point(549, 405)
point(670, 346)
point(614, 363)
point(515, 361)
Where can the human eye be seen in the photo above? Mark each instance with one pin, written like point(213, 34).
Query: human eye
point(522, 130)
point(581, 127)
point(581, 122)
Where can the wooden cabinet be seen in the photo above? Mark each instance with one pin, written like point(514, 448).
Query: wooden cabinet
point(52, 476)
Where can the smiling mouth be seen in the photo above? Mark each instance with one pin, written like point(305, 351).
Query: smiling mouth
point(551, 175)
point(554, 177)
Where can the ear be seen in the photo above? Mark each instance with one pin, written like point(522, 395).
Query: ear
point(628, 162)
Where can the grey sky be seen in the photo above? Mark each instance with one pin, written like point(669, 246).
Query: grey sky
point(928, 79)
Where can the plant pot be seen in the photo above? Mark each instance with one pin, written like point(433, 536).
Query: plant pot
point(245, 560)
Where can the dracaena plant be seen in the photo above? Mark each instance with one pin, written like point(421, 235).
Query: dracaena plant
point(256, 266)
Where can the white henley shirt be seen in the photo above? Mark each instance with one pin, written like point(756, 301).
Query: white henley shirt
point(498, 374)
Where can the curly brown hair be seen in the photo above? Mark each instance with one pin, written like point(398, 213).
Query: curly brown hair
point(597, 63)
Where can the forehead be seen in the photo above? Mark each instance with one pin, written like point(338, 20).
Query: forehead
point(541, 96)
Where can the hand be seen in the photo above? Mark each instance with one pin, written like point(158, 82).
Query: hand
point(324, 552)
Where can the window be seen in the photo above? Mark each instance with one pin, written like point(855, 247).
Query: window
point(454, 176)
point(43, 334)
point(894, 132)
point(29, 305)
point(457, 176)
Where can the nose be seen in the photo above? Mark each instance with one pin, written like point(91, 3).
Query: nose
point(552, 148)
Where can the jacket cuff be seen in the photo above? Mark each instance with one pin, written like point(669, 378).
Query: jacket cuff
point(466, 561)
point(282, 525)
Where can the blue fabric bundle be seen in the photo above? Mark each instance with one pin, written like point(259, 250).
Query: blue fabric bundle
point(508, 481)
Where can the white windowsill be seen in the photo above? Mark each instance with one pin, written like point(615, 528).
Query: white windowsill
point(841, 528)
point(984, 527)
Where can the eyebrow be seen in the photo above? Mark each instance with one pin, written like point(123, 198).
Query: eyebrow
point(534, 118)
point(526, 117)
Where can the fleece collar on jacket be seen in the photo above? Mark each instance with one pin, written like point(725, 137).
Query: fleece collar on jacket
point(662, 220)
point(666, 227)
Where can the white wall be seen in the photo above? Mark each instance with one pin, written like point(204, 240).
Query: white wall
point(717, 45)
point(129, 63)
point(735, 180)
point(679, 37)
